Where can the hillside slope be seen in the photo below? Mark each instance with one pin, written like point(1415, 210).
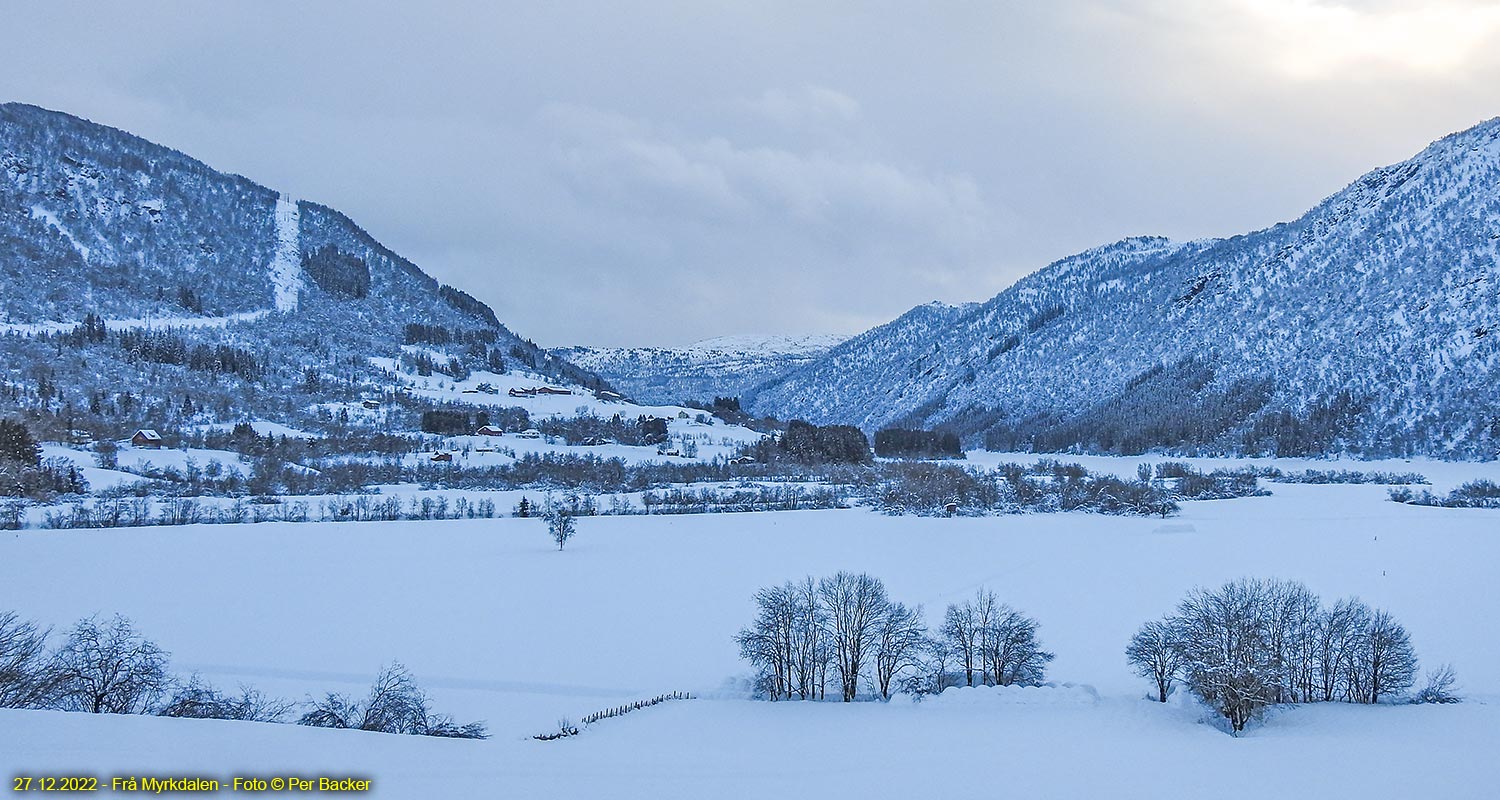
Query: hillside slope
point(1367, 325)
point(203, 284)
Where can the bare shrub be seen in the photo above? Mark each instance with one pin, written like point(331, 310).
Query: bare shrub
point(109, 669)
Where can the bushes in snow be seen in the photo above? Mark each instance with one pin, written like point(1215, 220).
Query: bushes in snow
point(106, 667)
point(930, 489)
point(844, 631)
point(117, 511)
point(709, 500)
point(197, 699)
point(1474, 494)
point(394, 705)
point(1438, 688)
point(1254, 643)
point(26, 676)
point(1342, 476)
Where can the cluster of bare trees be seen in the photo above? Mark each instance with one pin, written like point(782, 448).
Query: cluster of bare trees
point(1254, 643)
point(101, 668)
point(993, 642)
point(846, 631)
point(106, 667)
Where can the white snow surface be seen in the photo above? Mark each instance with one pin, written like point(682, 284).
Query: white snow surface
point(263, 427)
point(499, 625)
point(286, 262)
point(38, 212)
point(150, 323)
point(98, 479)
point(764, 345)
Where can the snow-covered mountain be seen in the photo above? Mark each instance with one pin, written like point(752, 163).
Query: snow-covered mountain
point(247, 295)
point(725, 366)
point(1369, 324)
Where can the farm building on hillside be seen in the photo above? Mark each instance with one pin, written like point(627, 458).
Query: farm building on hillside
point(489, 430)
point(145, 437)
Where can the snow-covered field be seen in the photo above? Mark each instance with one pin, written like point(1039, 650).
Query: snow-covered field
point(499, 625)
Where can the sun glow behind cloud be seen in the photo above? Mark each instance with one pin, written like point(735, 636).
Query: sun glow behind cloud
point(1310, 40)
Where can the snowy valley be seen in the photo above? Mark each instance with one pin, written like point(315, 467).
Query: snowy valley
point(257, 460)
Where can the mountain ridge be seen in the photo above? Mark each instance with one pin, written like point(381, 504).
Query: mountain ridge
point(104, 234)
point(722, 366)
point(1260, 338)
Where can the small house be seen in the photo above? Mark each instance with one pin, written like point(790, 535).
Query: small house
point(522, 393)
point(609, 397)
point(370, 404)
point(145, 437)
point(489, 430)
point(448, 457)
point(80, 437)
point(552, 390)
point(530, 433)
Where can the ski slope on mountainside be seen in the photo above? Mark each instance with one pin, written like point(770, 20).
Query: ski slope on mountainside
point(286, 262)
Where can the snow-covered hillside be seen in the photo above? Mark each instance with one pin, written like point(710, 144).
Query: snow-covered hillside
point(221, 289)
point(726, 366)
point(650, 604)
point(1368, 324)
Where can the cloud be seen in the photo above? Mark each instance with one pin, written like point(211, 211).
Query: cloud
point(807, 106)
point(663, 172)
point(640, 168)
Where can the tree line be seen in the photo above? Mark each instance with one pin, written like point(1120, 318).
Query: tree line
point(915, 443)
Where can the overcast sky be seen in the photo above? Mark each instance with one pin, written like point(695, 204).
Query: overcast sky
point(657, 173)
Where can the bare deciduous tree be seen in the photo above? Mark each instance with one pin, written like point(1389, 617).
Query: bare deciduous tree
point(995, 641)
point(109, 669)
point(1225, 645)
point(1385, 663)
point(27, 680)
point(900, 643)
point(961, 634)
point(1338, 633)
point(394, 705)
point(1439, 687)
point(855, 605)
point(1012, 653)
point(562, 517)
point(197, 699)
point(1155, 654)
